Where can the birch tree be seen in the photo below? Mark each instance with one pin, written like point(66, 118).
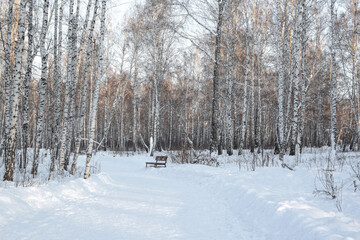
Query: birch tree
point(73, 72)
point(42, 88)
point(304, 76)
point(96, 90)
point(215, 113)
point(68, 88)
point(245, 94)
point(161, 37)
point(58, 22)
point(230, 41)
point(7, 79)
point(11, 138)
point(281, 12)
point(80, 120)
point(57, 84)
point(135, 31)
point(296, 67)
point(26, 82)
point(333, 92)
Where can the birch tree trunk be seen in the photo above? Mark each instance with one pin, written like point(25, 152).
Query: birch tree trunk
point(252, 104)
point(333, 76)
point(11, 138)
point(319, 129)
point(215, 114)
point(244, 108)
point(229, 86)
point(7, 79)
point(57, 85)
point(73, 69)
point(229, 121)
point(259, 132)
point(280, 41)
point(26, 83)
point(304, 78)
point(259, 111)
point(58, 74)
point(80, 121)
point(96, 91)
point(42, 88)
point(294, 125)
point(156, 116)
point(162, 38)
point(136, 100)
point(68, 90)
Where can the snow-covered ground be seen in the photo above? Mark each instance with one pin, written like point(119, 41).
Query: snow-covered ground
point(128, 201)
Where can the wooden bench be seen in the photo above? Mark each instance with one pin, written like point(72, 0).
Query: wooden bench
point(160, 161)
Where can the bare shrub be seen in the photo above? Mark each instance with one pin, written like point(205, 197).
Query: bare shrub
point(341, 160)
point(355, 168)
point(206, 159)
point(180, 157)
point(266, 161)
point(355, 172)
point(327, 183)
point(252, 161)
point(191, 157)
point(121, 153)
point(328, 186)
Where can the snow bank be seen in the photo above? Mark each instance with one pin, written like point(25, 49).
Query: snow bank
point(129, 201)
point(278, 203)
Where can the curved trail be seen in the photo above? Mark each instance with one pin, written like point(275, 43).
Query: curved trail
point(125, 201)
point(184, 202)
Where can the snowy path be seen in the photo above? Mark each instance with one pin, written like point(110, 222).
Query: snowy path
point(191, 202)
point(126, 201)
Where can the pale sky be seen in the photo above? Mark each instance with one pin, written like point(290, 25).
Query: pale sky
point(118, 8)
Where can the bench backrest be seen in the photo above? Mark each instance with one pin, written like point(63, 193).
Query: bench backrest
point(161, 158)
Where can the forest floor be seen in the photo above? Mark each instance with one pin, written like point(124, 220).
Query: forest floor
point(182, 201)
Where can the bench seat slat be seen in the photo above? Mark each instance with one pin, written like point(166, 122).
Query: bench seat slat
point(159, 161)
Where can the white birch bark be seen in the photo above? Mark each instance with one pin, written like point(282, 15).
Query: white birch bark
point(215, 114)
point(156, 78)
point(259, 132)
point(42, 88)
point(69, 81)
point(7, 79)
point(280, 38)
point(319, 126)
point(57, 85)
point(84, 93)
point(105, 125)
point(244, 108)
point(162, 38)
point(259, 111)
point(156, 115)
point(304, 77)
point(252, 104)
point(84, 29)
point(11, 138)
point(229, 86)
point(135, 99)
point(296, 42)
point(96, 91)
point(333, 91)
point(74, 64)
point(26, 83)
